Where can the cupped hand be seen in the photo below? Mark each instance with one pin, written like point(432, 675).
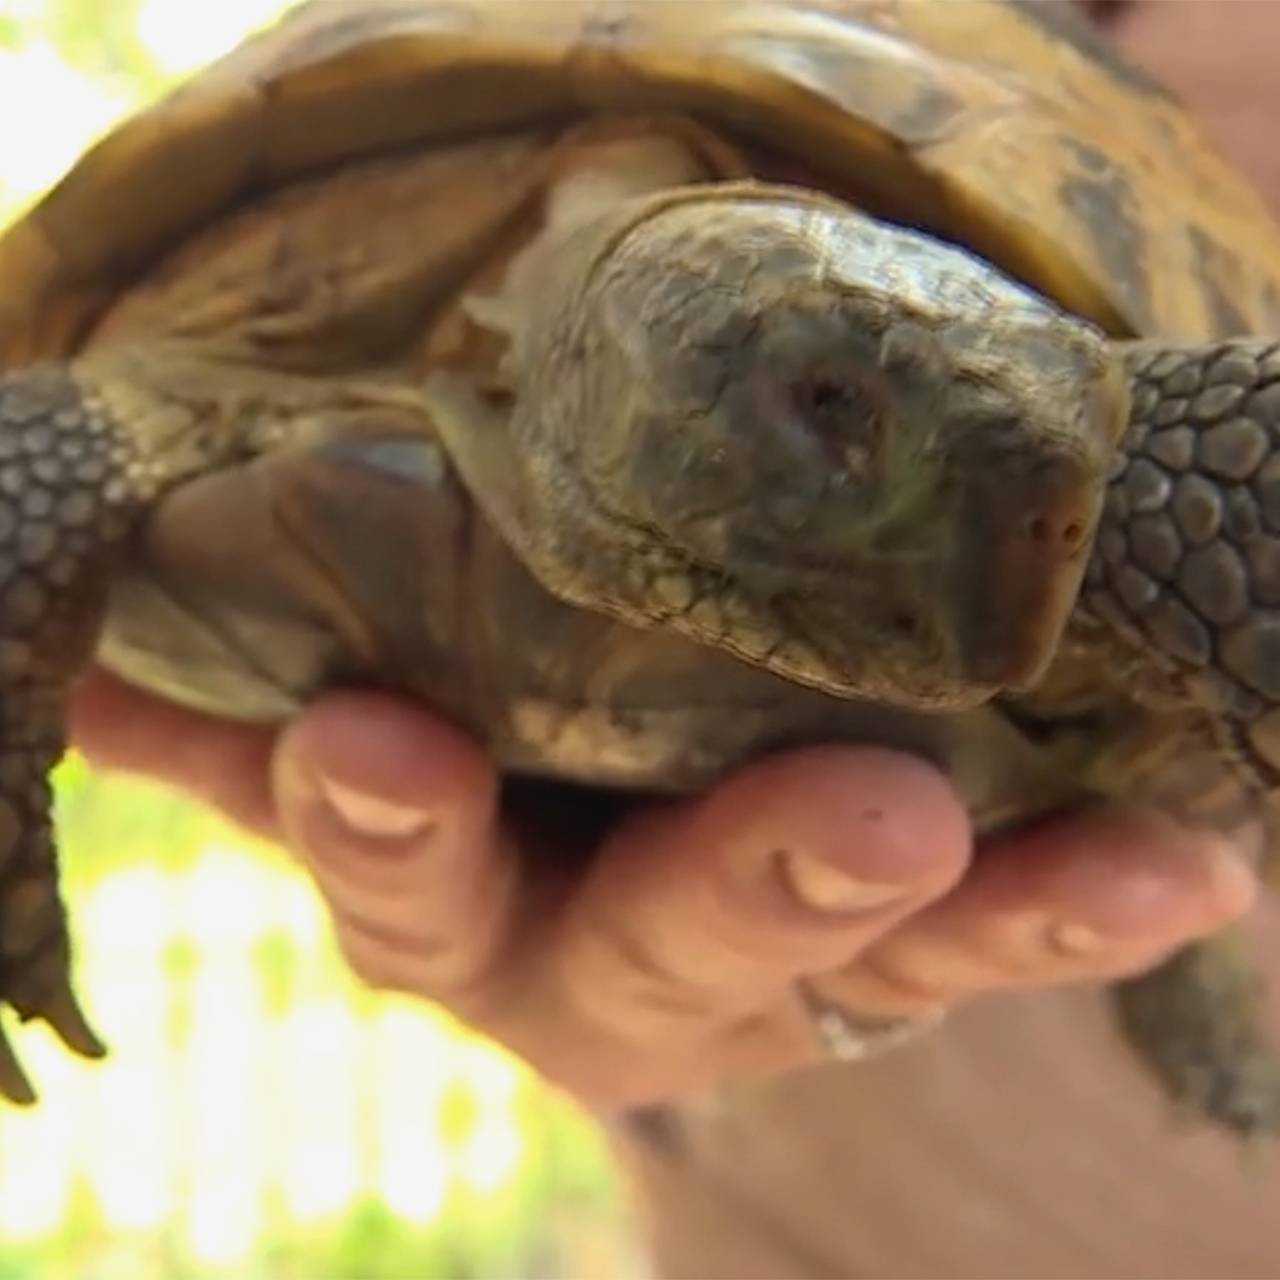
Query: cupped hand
point(669, 960)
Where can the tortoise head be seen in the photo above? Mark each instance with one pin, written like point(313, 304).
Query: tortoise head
point(839, 449)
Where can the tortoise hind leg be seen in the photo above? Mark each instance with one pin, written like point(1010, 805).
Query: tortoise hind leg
point(1198, 1020)
point(69, 491)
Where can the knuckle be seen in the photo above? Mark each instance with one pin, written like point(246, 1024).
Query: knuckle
point(887, 985)
point(370, 963)
point(390, 959)
point(643, 991)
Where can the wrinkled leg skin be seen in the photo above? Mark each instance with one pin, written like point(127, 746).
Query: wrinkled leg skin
point(1186, 579)
point(69, 492)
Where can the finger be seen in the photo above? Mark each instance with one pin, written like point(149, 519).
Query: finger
point(220, 762)
point(1100, 895)
point(393, 812)
point(1223, 73)
point(700, 914)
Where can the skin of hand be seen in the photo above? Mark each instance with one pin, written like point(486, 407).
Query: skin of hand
point(1224, 72)
point(665, 962)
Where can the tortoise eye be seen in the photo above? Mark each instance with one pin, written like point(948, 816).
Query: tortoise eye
point(825, 395)
point(842, 415)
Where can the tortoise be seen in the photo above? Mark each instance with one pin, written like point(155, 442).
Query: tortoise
point(650, 386)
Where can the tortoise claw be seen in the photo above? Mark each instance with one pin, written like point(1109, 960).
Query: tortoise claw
point(63, 1013)
point(14, 1084)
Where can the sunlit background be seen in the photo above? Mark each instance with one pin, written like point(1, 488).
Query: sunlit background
point(261, 1115)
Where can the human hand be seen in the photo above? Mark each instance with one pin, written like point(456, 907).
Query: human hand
point(1223, 71)
point(669, 961)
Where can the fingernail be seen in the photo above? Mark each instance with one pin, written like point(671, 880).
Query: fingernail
point(1073, 939)
point(825, 888)
point(372, 815)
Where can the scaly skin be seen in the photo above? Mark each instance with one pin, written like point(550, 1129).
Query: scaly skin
point(1187, 563)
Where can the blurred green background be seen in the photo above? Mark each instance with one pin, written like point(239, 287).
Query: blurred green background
point(261, 1115)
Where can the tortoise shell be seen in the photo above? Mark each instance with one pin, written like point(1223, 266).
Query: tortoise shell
point(1008, 127)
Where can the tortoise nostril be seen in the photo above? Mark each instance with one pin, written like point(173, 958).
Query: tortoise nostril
point(904, 622)
point(1042, 529)
point(496, 396)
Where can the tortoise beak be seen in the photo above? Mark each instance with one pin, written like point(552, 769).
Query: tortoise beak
point(1020, 565)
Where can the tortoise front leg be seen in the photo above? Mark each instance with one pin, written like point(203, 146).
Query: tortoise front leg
point(1185, 582)
point(70, 488)
point(86, 450)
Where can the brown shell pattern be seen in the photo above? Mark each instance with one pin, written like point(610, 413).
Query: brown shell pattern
point(1005, 126)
